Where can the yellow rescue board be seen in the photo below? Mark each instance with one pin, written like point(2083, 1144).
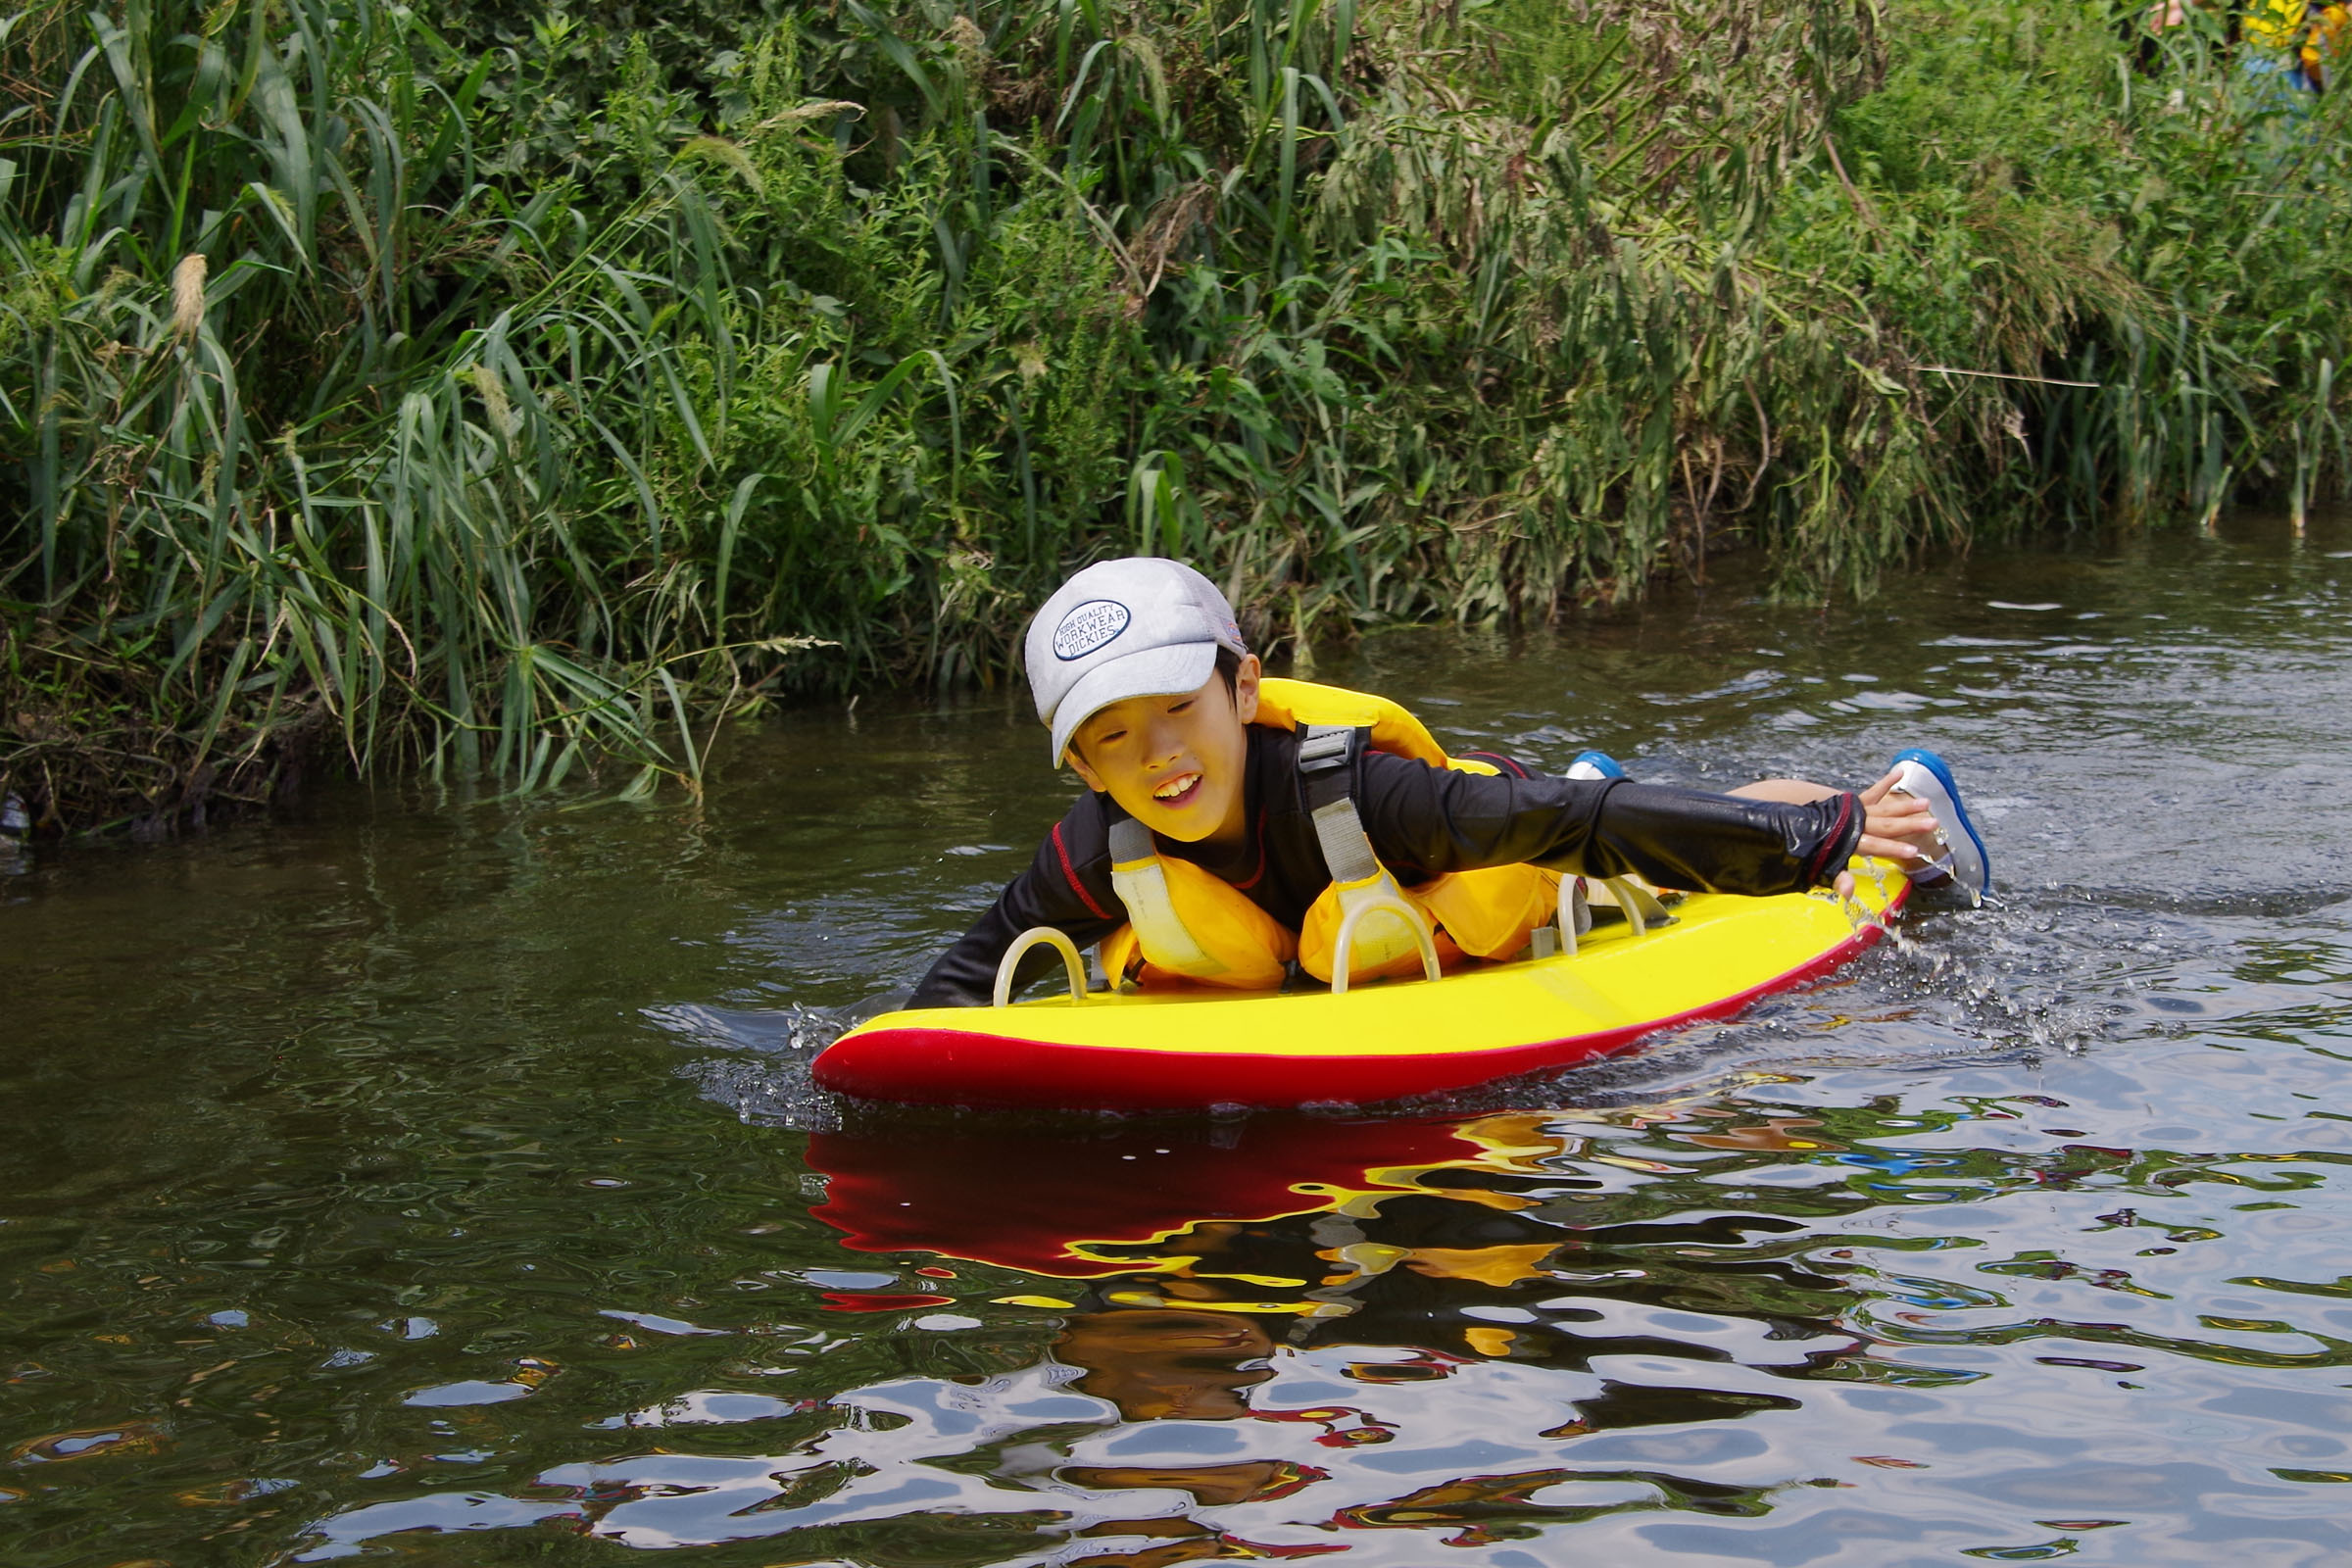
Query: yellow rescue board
point(1195, 1048)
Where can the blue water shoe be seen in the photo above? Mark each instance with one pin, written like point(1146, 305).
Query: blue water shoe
point(1595, 764)
point(1928, 777)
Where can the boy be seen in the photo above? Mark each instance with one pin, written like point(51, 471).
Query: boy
point(1141, 675)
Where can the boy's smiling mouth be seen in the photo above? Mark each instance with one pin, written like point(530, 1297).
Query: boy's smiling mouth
point(1178, 789)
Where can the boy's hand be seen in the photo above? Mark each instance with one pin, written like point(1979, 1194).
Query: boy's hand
point(1897, 828)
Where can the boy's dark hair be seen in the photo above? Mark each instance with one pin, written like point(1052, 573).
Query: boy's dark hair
point(1229, 665)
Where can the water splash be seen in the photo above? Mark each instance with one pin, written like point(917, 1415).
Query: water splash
point(763, 1075)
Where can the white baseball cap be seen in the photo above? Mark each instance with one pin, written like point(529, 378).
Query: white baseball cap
point(1138, 627)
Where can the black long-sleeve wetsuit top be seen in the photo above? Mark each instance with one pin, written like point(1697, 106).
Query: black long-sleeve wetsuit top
point(1423, 821)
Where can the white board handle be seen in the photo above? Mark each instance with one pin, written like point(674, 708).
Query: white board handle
point(1371, 903)
point(1048, 936)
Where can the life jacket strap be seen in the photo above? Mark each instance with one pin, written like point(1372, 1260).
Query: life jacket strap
point(1142, 884)
point(1326, 766)
point(1378, 925)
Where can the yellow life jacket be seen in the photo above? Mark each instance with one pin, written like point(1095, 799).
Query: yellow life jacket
point(1185, 924)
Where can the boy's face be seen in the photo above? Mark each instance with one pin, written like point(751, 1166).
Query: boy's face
point(1175, 763)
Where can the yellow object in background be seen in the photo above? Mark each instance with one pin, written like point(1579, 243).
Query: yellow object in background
point(2312, 38)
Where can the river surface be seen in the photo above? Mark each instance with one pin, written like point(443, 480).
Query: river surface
point(439, 1181)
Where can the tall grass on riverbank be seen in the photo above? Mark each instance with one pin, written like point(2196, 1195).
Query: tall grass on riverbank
point(504, 393)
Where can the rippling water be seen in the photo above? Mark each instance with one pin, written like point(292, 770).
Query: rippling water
point(440, 1180)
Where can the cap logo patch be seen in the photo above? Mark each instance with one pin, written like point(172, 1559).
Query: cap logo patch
point(1088, 627)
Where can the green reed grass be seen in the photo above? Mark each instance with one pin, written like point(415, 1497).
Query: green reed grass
point(500, 394)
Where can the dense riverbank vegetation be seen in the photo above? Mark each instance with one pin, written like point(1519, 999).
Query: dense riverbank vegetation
point(498, 389)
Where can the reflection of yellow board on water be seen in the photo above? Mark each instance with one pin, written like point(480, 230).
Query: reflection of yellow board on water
point(1174, 1049)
